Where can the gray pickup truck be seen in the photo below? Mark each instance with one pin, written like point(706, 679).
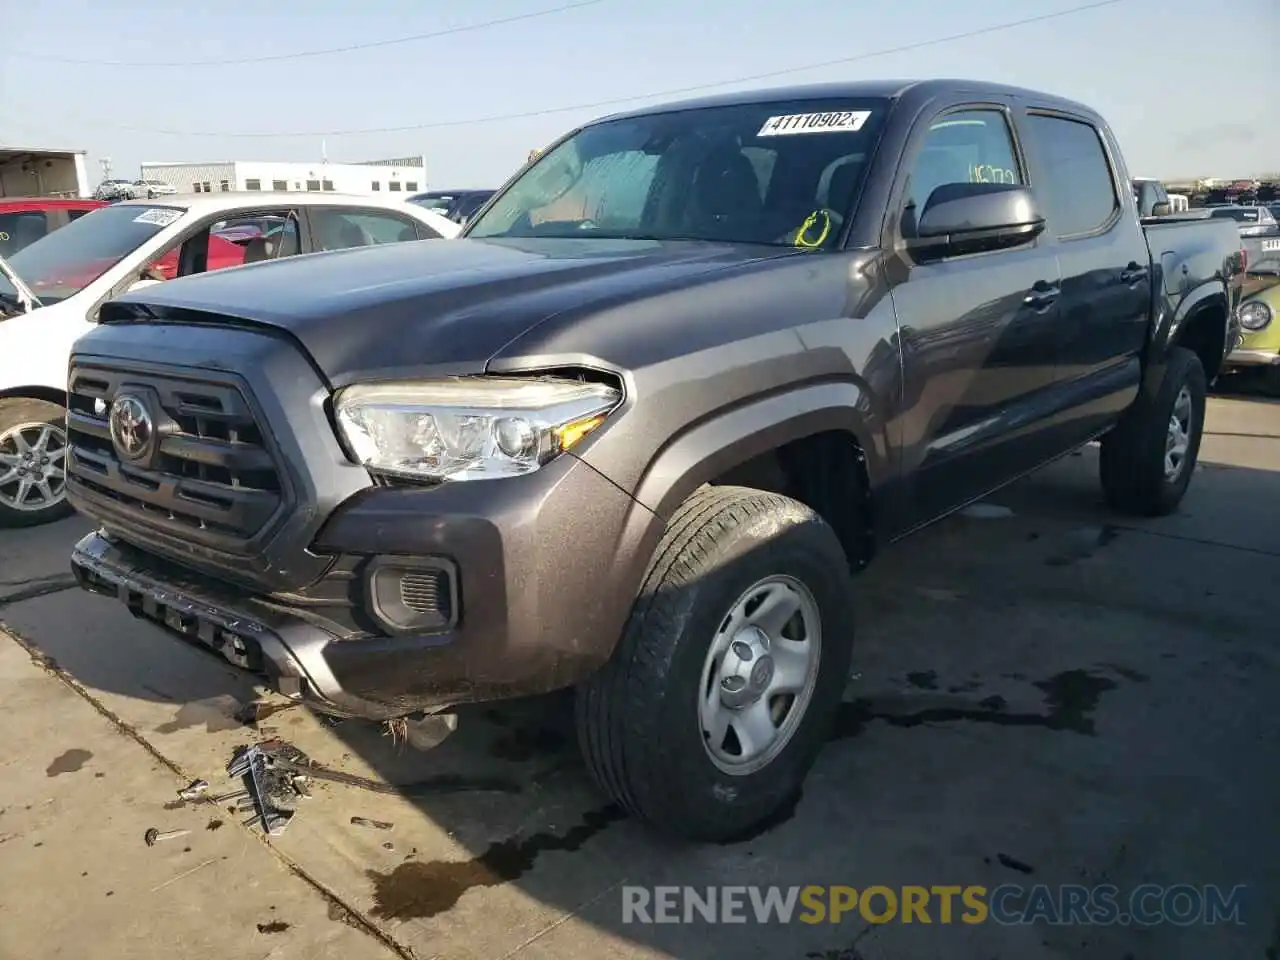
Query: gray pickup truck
point(635, 432)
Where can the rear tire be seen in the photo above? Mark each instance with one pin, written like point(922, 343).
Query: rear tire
point(33, 442)
point(708, 652)
point(1148, 458)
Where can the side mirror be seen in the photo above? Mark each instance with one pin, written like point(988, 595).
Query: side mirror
point(1161, 208)
point(973, 217)
point(141, 284)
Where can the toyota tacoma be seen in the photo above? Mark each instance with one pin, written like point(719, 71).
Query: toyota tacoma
point(635, 431)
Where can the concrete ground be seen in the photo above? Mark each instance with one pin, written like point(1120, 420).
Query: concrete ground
point(1045, 693)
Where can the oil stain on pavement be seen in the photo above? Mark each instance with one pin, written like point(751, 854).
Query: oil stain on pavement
point(1071, 698)
point(69, 762)
point(213, 714)
point(415, 890)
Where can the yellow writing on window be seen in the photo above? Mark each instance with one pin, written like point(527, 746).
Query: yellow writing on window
point(987, 173)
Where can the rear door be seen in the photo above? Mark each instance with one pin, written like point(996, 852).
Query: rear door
point(978, 331)
point(340, 228)
point(1105, 309)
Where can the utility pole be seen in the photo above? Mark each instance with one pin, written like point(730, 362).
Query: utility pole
point(106, 168)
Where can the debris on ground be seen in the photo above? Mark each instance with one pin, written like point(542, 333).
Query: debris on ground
point(374, 824)
point(194, 791)
point(274, 783)
point(253, 713)
point(154, 836)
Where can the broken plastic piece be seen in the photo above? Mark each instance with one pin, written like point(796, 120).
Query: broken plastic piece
point(194, 790)
point(154, 836)
point(375, 824)
point(269, 785)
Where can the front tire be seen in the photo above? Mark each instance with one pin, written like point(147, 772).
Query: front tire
point(33, 449)
point(1148, 459)
point(721, 692)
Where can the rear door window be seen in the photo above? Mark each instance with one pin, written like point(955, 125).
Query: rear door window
point(1079, 190)
point(341, 229)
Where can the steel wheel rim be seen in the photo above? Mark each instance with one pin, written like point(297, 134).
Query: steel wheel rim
point(759, 675)
point(1178, 436)
point(33, 467)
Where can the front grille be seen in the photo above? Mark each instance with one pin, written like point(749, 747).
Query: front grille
point(211, 476)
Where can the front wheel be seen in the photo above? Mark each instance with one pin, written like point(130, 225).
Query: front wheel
point(1147, 460)
point(720, 695)
point(33, 449)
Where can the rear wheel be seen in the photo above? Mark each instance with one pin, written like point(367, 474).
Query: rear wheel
point(33, 450)
point(1148, 459)
point(721, 692)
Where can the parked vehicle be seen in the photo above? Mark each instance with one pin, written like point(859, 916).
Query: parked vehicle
point(24, 220)
point(111, 190)
point(1254, 221)
point(632, 434)
point(150, 189)
point(1258, 353)
point(1154, 201)
point(458, 205)
point(73, 271)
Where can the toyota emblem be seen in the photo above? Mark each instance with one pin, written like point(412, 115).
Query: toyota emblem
point(132, 429)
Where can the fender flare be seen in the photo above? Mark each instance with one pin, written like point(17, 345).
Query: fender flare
point(1211, 295)
point(710, 447)
point(36, 392)
point(1207, 294)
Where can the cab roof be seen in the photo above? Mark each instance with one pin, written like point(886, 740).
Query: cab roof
point(857, 90)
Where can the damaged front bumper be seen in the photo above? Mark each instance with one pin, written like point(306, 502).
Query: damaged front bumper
point(281, 647)
point(504, 616)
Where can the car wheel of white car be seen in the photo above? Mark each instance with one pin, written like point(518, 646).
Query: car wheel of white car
point(33, 451)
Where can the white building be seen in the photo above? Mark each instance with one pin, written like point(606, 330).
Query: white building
point(42, 172)
point(405, 175)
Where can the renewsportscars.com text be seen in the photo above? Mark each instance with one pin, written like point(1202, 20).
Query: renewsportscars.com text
point(1008, 904)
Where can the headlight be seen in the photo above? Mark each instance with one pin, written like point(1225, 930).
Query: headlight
point(468, 428)
point(1254, 315)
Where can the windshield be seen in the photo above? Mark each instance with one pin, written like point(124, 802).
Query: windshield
point(67, 260)
point(784, 174)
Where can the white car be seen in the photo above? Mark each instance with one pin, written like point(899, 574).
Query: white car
point(150, 189)
point(51, 291)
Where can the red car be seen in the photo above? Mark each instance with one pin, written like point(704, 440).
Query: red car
point(24, 220)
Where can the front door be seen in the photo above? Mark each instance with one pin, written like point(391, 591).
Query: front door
point(229, 241)
point(977, 331)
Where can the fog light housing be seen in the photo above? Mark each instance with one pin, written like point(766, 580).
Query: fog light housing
point(413, 595)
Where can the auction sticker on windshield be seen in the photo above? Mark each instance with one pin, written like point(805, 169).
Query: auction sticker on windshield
point(159, 216)
point(841, 121)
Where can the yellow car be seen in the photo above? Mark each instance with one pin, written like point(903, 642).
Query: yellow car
point(1259, 318)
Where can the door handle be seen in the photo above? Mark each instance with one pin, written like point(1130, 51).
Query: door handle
point(1133, 274)
point(1043, 295)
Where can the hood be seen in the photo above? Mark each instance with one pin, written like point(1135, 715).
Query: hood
point(28, 299)
point(451, 305)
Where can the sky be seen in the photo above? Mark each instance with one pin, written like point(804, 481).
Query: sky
point(1182, 83)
